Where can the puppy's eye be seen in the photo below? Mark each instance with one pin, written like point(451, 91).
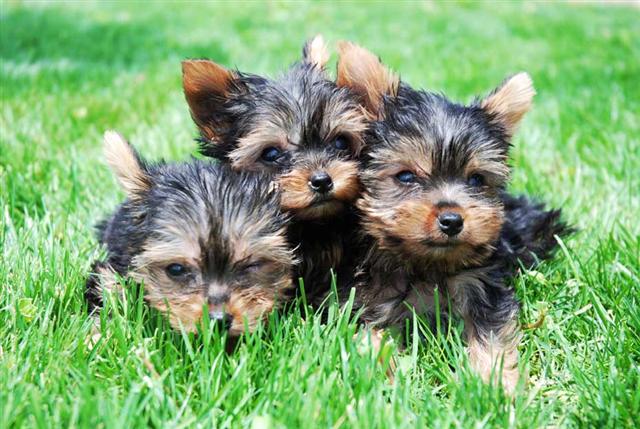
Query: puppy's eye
point(271, 154)
point(476, 180)
point(176, 271)
point(254, 266)
point(406, 177)
point(341, 143)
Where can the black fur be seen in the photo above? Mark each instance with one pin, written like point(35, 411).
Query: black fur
point(405, 267)
point(296, 103)
point(201, 215)
point(529, 232)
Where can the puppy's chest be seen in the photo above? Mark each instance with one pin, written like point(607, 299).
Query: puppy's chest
point(320, 248)
point(396, 295)
point(324, 243)
point(423, 296)
point(435, 291)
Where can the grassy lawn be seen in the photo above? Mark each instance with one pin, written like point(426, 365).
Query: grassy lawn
point(71, 71)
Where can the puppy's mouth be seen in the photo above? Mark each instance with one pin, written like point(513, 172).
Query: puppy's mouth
point(324, 199)
point(447, 244)
point(321, 209)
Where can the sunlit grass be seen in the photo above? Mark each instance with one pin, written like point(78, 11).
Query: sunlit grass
point(71, 71)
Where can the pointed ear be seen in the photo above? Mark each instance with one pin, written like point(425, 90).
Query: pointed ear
point(206, 87)
point(364, 74)
point(126, 164)
point(510, 101)
point(315, 52)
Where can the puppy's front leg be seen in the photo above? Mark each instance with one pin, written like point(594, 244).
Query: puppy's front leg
point(490, 313)
point(102, 279)
point(381, 346)
point(493, 353)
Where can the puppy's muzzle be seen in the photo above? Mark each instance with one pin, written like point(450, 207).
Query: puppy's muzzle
point(221, 319)
point(320, 182)
point(450, 223)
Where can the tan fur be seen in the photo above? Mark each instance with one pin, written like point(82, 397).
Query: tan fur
point(317, 52)
point(344, 120)
point(495, 358)
point(299, 198)
point(270, 248)
point(339, 119)
point(95, 334)
point(202, 80)
point(363, 72)
point(184, 310)
point(396, 161)
point(250, 306)
point(324, 210)
point(201, 77)
point(375, 340)
point(296, 194)
point(344, 174)
point(493, 355)
point(185, 249)
point(108, 282)
point(414, 221)
point(246, 155)
point(491, 170)
point(122, 160)
point(184, 304)
point(161, 252)
point(511, 101)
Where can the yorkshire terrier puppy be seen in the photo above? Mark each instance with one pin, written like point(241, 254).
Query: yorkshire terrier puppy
point(302, 128)
point(435, 210)
point(199, 237)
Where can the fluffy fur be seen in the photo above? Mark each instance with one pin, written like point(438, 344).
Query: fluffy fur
point(301, 127)
point(435, 214)
point(199, 236)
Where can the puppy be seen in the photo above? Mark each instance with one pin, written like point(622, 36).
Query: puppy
point(435, 213)
point(302, 128)
point(204, 241)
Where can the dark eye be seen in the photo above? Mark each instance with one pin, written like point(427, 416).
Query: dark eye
point(406, 176)
point(271, 154)
point(341, 143)
point(254, 266)
point(176, 270)
point(476, 180)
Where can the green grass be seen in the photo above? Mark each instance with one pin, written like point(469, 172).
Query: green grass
point(70, 71)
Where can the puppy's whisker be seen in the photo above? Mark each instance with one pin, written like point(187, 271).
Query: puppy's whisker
point(439, 225)
point(305, 130)
point(198, 236)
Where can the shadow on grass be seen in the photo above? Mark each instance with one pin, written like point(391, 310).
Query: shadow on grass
point(75, 56)
point(31, 35)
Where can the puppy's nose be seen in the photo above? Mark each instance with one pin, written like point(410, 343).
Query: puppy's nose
point(450, 223)
point(221, 319)
point(320, 182)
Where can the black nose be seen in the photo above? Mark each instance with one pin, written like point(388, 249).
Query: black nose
point(321, 182)
point(450, 223)
point(220, 318)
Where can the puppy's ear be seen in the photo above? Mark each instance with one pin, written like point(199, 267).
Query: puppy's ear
point(315, 52)
point(130, 170)
point(510, 101)
point(207, 86)
point(364, 74)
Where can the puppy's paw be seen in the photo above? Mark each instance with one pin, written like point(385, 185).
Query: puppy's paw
point(94, 336)
point(382, 347)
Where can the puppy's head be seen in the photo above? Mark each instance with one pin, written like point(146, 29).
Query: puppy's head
point(203, 240)
point(435, 169)
point(301, 127)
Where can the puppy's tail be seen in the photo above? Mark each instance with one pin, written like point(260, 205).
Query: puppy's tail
point(529, 232)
